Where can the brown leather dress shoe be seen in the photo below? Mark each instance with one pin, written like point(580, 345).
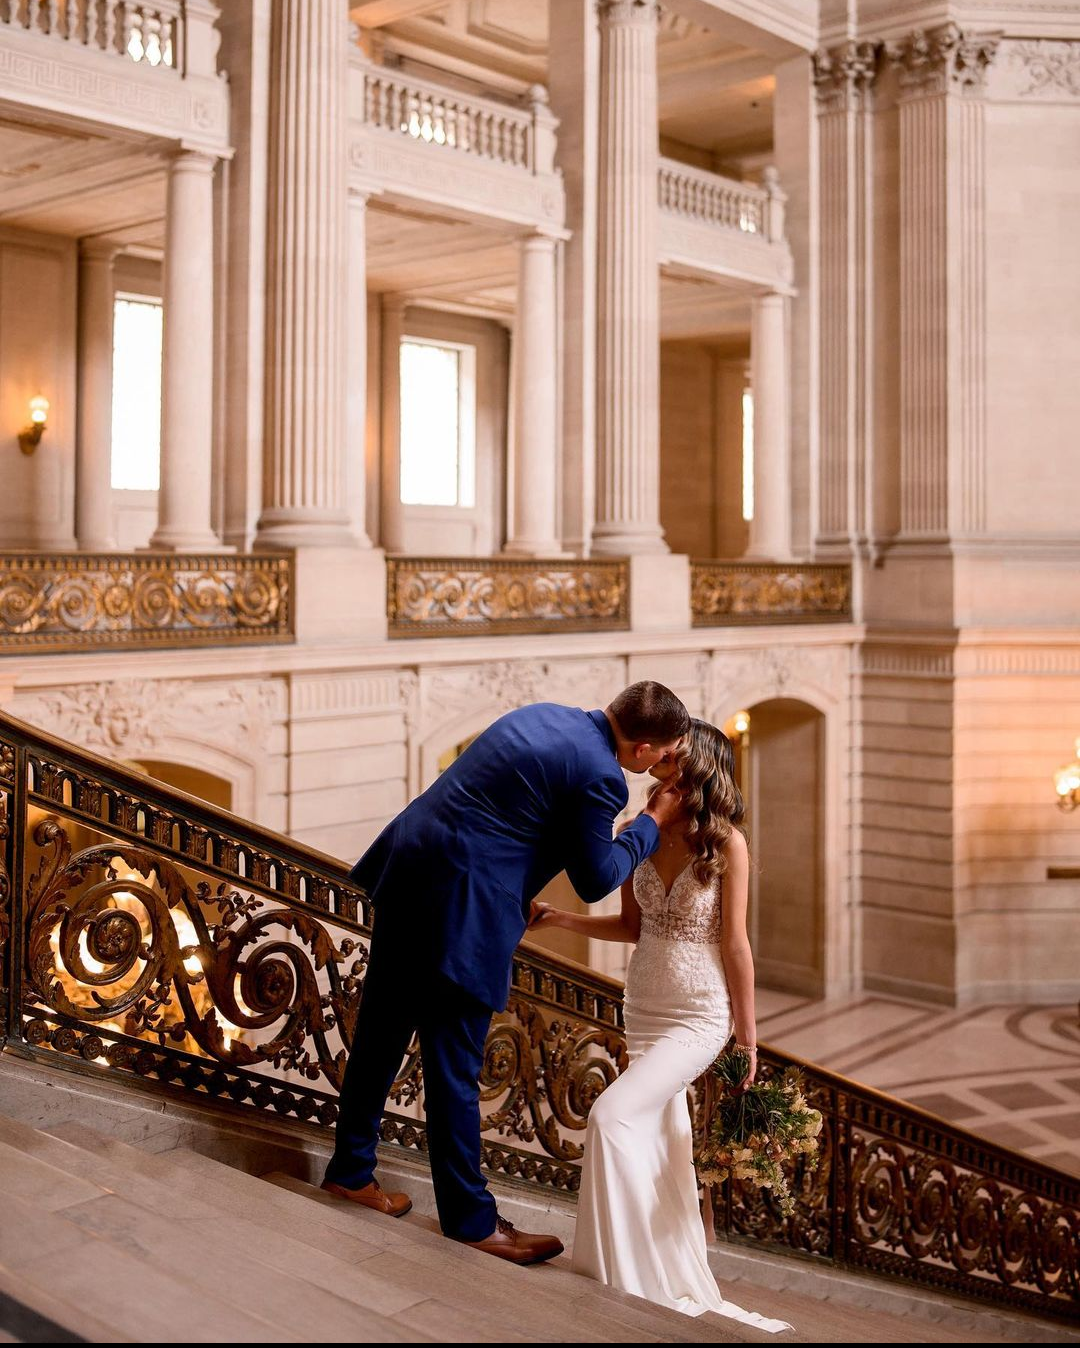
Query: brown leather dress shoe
point(371, 1196)
point(519, 1247)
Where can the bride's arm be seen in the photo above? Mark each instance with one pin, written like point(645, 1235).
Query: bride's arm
point(735, 946)
point(624, 927)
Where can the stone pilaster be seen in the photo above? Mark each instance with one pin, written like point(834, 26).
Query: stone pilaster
point(843, 79)
point(628, 306)
point(941, 75)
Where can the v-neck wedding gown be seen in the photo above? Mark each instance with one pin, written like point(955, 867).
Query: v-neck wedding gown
point(639, 1226)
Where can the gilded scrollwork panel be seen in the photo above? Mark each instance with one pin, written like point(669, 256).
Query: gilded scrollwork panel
point(432, 596)
point(727, 593)
point(116, 601)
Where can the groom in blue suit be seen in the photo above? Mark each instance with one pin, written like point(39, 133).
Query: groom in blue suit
point(451, 880)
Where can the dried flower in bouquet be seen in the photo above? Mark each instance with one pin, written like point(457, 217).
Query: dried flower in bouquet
point(754, 1131)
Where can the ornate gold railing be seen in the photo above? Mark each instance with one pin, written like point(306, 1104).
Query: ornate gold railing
point(135, 601)
point(726, 593)
point(147, 936)
point(462, 596)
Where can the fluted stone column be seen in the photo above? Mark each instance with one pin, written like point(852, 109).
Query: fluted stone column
point(304, 500)
point(93, 449)
point(770, 529)
point(628, 308)
point(187, 375)
point(536, 435)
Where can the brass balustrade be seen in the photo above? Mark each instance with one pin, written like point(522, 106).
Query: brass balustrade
point(62, 602)
point(148, 936)
point(461, 596)
point(724, 593)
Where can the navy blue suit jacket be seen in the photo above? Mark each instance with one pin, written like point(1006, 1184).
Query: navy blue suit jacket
point(535, 794)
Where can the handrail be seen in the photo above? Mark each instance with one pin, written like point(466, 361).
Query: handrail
point(149, 936)
point(702, 195)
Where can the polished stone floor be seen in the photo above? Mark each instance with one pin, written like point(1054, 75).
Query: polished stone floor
point(1006, 1072)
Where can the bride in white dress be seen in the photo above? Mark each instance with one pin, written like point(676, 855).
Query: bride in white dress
point(690, 979)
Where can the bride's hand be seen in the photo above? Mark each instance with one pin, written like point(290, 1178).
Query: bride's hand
point(543, 915)
point(748, 1080)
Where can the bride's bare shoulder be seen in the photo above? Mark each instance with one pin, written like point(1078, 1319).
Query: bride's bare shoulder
point(735, 849)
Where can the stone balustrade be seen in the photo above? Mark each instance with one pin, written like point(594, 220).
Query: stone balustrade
point(149, 34)
point(518, 137)
point(724, 202)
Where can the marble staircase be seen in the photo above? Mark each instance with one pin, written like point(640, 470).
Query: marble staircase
point(106, 1241)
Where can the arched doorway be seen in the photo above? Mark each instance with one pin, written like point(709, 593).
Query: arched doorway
point(207, 786)
point(780, 759)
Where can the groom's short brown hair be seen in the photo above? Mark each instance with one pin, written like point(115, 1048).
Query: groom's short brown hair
point(649, 713)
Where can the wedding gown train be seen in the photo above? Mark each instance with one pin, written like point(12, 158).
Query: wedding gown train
point(639, 1226)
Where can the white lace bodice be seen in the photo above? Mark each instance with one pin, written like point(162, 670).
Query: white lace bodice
point(676, 966)
point(689, 911)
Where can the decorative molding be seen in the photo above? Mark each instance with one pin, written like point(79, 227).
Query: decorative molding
point(1042, 70)
point(906, 662)
point(768, 672)
point(319, 697)
point(444, 696)
point(130, 601)
point(943, 59)
point(133, 718)
point(461, 596)
point(733, 593)
point(844, 75)
point(702, 247)
point(49, 74)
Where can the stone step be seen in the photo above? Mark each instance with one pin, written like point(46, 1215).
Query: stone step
point(415, 1257)
point(551, 1287)
point(78, 1280)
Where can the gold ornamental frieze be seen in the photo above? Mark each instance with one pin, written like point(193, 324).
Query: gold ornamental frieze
point(462, 596)
point(724, 593)
point(136, 601)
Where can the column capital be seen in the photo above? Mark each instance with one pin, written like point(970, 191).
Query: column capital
point(943, 60)
point(844, 75)
point(184, 160)
point(642, 13)
point(98, 250)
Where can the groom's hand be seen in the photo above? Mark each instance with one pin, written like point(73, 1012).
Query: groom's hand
point(664, 807)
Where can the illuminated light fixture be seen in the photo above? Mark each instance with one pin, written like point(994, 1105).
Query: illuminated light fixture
point(30, 438)
point(1067, 783)
point(741, 722)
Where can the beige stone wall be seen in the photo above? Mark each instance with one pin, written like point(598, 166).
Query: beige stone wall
point(38, 301)
point(701, 450)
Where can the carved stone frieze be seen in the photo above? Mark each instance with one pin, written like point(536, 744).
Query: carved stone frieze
point(768, 672)
point(938, 60)
point(446, 695)
point(135, 717)
point(1040, 70)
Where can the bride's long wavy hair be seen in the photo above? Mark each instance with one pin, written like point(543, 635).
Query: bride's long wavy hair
point(711, 797)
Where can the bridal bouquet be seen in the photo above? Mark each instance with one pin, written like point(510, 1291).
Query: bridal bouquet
point(753, 1132)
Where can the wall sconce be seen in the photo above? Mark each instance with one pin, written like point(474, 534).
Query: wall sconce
point(1067, 783)
point(740, 722)
point(30, 438)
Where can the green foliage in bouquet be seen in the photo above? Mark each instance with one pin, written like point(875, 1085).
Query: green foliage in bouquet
point(753, 1132)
